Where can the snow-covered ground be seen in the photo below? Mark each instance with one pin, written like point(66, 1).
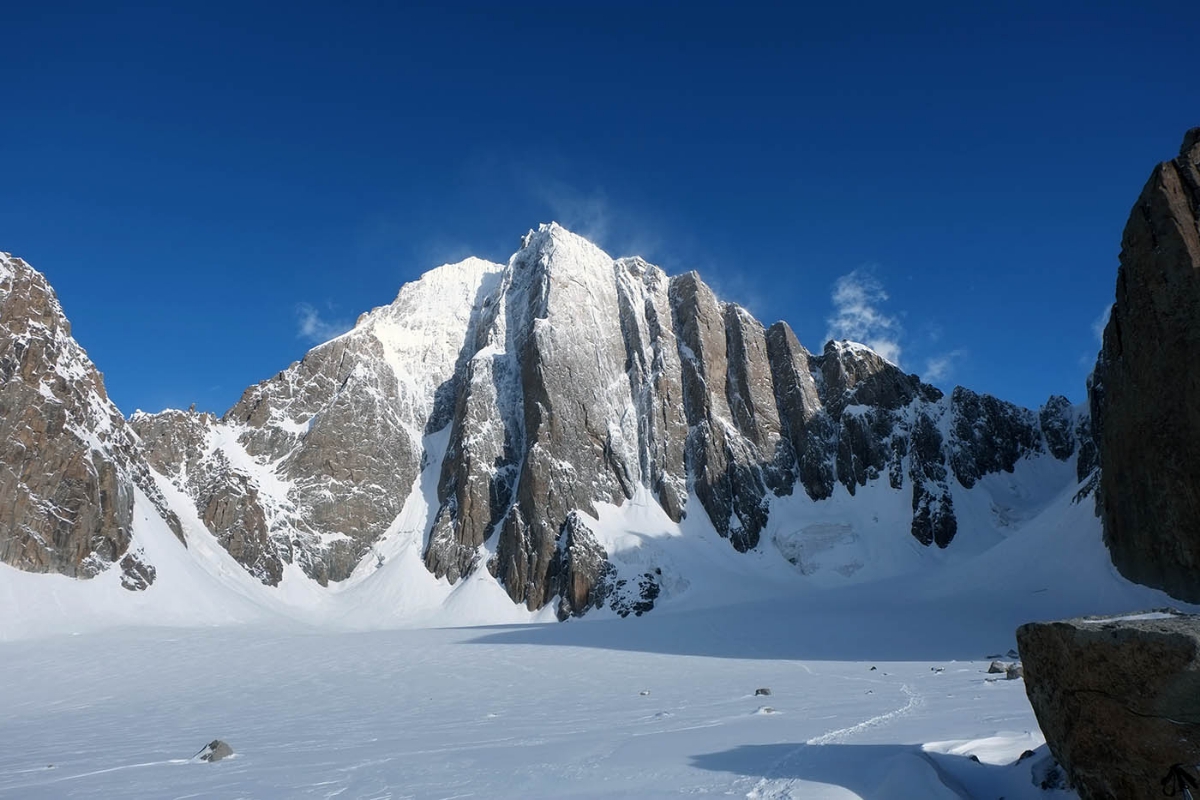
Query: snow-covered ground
point(874, 649)
point(652, 707)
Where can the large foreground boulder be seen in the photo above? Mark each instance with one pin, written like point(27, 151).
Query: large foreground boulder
point(1117, 698)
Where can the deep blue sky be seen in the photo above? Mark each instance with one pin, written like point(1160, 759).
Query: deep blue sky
point(192, 179)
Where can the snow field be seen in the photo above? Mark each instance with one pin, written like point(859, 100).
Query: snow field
point(496, 713)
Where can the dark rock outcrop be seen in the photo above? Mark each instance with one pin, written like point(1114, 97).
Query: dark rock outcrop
point(991, 435)
point(1118, 699)
point(1144, 388)
point(581, 569)
point(216, 750)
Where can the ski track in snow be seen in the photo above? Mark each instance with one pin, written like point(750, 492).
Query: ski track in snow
point(516, 712)
point(842, 734)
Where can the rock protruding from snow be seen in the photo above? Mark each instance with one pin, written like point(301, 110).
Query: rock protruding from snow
point(68, 464)
point(581, 570)
point(1118, 699)
point(214, 751)
point(1144, 388)
point(990, 435)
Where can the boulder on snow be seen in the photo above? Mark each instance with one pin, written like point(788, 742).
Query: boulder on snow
point(1014, 671)
point(215, 751)
point(764, 691)
point(996, 668)
point(1117, 698)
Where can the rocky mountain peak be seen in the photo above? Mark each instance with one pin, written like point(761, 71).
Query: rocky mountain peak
point(487, 415)
point(553, 247)
point(854, 374)
point(1190, 149)
point(71, 468)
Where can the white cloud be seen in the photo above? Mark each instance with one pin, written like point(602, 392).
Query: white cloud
point(857, 315)
point(1100, 323)
point(941, 367)
point(316, 329)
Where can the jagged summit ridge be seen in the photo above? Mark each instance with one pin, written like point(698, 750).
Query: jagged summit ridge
point(515, 401)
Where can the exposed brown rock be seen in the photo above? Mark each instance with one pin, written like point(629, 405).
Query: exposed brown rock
point(730, 470)
point(351, 467)
point(176, 443)
point(1145, 387)
point(1118, 700)
point(808, 426)
point(68, 465)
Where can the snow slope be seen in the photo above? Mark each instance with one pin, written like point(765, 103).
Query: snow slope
point(447, 713)
point(1018, 558)
point(315, 705)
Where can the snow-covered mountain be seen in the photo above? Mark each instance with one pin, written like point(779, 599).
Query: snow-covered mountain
point(566, 431)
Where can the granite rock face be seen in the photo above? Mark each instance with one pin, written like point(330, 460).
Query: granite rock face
point(1118, 699)
point(590, 379)
point(69, 466)
point(1144, 388)
point(492, 412)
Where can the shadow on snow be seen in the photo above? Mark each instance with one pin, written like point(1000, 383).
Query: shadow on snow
point(881, 772)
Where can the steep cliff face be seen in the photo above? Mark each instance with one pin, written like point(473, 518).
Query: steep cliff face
point(69, 466)
point(517, 401)
point(592, 377)
point(1144, 389)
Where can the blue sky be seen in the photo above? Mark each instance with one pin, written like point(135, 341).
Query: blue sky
point(210, 187)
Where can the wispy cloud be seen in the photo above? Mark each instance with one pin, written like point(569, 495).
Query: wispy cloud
point(940, 367)
point(587, 213)
point(312, 327)
point(858, 314)
point(1101, 322)
point(623, 227)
